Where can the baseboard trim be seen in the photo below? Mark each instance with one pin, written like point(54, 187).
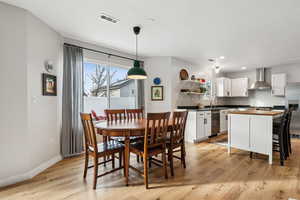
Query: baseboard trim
point(28, 175)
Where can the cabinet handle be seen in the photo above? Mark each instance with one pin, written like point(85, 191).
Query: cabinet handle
point(272, 91)
point(205, 121)
point(226, 117)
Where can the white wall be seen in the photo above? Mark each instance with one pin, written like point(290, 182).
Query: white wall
point(179, 99)
point(168, 68)
point(158, 67)
point(14, 134)
point(30, 122)
point(43, 44)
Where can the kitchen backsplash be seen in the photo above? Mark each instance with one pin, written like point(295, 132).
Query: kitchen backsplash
point(256, 98)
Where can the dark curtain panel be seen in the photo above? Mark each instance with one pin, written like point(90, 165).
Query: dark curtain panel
point(72, 102)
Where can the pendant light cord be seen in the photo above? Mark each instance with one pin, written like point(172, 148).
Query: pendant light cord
point(136, 46)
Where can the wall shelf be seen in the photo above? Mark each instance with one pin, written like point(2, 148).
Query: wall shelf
point(192, 81)
point(196, 93)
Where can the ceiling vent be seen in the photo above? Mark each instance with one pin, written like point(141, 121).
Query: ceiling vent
point(108, 18)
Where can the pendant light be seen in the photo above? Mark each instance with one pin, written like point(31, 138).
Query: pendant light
point(136, 72)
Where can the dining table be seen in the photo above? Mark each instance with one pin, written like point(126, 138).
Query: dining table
point(124, 128)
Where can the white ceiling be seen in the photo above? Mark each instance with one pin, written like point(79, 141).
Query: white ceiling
point(249, 33)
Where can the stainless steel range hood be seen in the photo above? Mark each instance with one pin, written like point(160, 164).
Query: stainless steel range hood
point(260, 83)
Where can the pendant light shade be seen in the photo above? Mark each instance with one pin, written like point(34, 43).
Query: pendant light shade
point(136, 72)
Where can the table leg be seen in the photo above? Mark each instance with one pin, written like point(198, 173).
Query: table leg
point(126, 159)
point(271, 158)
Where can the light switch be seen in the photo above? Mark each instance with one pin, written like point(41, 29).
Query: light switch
point(34, 99)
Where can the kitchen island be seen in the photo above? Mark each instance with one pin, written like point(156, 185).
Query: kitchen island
point(251, 130)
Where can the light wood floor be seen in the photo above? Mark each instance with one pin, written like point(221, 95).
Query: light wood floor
point(210, 174)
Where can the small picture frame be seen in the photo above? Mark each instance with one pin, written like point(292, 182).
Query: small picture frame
point(49, 85)
point(157, 93)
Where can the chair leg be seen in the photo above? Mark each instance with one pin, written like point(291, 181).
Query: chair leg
point(282, 159)
point(113, 161)
point(289, 142)
point(120, 159)
point(251, 155)
point(281, 151)
point(124, 170)
point(170, 156)
point(150, 162)
point(146, 172)
point(86, 162)
point(164, 157)
point(104, 158)
point(137, 158)
point(95, 172)
point(183, 154)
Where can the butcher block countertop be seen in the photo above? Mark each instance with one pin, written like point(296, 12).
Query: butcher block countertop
point(256, 112)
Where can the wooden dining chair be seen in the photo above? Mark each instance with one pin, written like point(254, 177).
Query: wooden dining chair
point(154, 142)
point(288, 130)
point(115, 115)
point(134, 113)
point(279, 140)
point(175, 142)
point(98, 150)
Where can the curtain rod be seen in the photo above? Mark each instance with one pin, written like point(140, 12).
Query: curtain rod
point(102, 52)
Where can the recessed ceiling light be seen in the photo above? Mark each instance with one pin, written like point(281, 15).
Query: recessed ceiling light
point(151, 19)
point(108, 18)
point(222, 57)
point(217, 69)
point(243, 68)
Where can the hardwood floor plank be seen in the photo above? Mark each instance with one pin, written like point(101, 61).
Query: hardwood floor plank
point(210, 174)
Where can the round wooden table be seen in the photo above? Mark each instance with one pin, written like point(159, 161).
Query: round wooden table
point(126, 129)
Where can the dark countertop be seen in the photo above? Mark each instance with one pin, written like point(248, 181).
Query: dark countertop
point(214, 108)
point(224, 107)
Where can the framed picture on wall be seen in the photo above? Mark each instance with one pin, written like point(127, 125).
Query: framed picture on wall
point(49, 85)
point(157, 93)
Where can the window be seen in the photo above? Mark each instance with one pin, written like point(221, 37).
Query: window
point(98, 79)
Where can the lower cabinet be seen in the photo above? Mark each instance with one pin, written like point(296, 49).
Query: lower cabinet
point(223, 121)
point(251, 132)
point(239, 131)
point(198, 126)
point(203, 125)
point(191, 128)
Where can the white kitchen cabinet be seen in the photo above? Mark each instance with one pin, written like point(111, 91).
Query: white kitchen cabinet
point(278, 84)
point(251, 133)
point(207, 123)
point(191, 127)
point(239, 87)
point(203, 125)
point(223, 121)
point(240, 131)
point(223, 86)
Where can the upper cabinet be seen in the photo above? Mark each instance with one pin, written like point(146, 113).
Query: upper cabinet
point(223, 87)
point(239, 87)
point(278, 84)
